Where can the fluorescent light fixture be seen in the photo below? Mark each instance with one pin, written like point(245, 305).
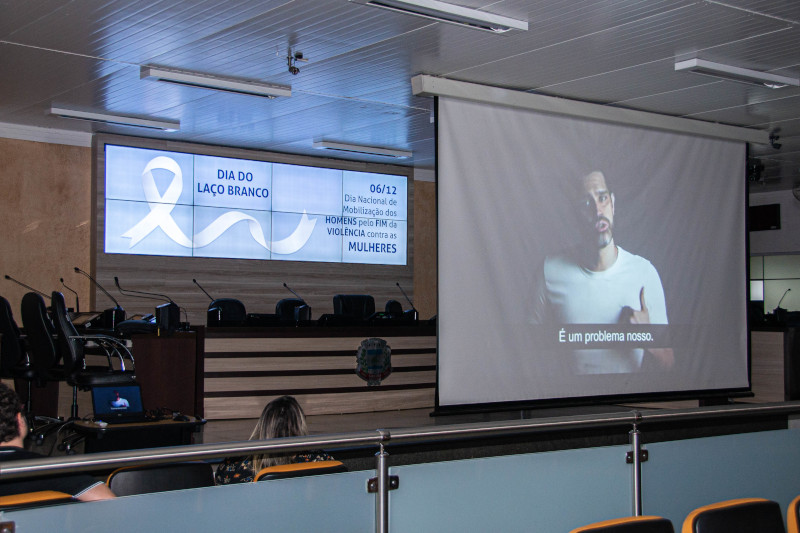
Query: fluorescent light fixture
point(360, 149)
point(451, 13)
point(207, 81)
point(120, 120)
point(738, 74)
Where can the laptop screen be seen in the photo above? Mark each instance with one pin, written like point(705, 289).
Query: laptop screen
point(117, 402)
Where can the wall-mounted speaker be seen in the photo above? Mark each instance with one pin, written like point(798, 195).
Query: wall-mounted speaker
point(764, 217)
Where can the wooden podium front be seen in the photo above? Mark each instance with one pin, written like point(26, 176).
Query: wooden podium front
point(170, 371)
point(245, 368)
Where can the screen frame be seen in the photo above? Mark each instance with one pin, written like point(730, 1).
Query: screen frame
point(704, 396)
point(250, 156)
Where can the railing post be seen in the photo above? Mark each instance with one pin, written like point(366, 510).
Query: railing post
point(382, 495)
point(636, 452)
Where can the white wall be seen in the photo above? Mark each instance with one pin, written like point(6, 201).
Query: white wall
point(784, 240)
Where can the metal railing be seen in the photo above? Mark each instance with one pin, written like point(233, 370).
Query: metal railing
point(631, 421)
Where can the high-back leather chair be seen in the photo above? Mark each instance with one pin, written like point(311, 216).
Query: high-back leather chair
point(57, 350)
point(354, 306)
point(290, 310)
point(40, 334)
point(14, 362)
point(630, 524)
point(226, 312)
point(744, 515)
point(291, 470)
point(393, 309)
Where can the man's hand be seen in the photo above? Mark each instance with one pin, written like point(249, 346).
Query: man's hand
point(642, 316)
point(664, 356)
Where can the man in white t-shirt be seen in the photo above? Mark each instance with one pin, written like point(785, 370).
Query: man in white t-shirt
point(600, 283)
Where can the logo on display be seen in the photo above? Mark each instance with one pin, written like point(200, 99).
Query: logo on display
point(160, 216)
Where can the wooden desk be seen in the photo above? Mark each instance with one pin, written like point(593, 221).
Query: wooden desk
point(114, 437)
point(169, 370)
point(775, 364)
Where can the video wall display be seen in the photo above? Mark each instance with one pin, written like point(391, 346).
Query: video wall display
point(580, 258)
point(184, 204)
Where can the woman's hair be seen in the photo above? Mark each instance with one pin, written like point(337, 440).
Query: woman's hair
point(282, 417)
point(10, 405)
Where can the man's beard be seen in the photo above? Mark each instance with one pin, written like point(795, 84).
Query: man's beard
point(599, 238)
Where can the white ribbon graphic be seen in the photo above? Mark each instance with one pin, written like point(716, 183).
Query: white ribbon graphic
point(161, 208)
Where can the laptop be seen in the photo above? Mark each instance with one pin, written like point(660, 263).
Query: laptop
point(118, 404)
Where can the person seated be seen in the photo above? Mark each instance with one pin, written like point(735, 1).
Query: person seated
point(282, 417)
point(13, 433)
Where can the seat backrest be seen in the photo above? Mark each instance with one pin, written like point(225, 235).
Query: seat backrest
point(285, 308)
point(630, 524)
point(39, 333)
point(11, 352)
point(299, 470)
point(393, 309)
point(33, 499)
point(70, 343)
point(358, 306)
point(227, 311)
point(744, 515)
point(793, 516)
point(158, 478)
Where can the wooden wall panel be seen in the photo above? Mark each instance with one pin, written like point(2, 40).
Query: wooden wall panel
point(425, 244)
point(45, 217)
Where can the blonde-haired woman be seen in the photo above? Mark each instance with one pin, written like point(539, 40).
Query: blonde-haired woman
point(282, 417)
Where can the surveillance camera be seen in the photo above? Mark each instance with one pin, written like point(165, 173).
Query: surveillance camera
point(298, 56)
point(294, 70)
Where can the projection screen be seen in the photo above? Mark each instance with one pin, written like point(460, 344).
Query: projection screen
point(581, 258)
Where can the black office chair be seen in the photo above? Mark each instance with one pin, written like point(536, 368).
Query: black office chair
point(292, 310)
point(14, 363)
point(57, 350)
point(393, 309)
point(72, 349)
point(358, 307)
point(158, 478)
point(226, 312)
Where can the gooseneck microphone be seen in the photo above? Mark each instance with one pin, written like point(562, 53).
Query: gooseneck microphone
point(782, 297)
point(290, 290)
point(414, 314)
point(202, 289)
point(406, 295)
point(167, 315)
point(111, 317)
point(77, 302)
point(40, 293)
point(142, 294)
point(96, 284)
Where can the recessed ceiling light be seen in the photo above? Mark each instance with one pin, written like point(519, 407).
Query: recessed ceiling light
point(450, 13)
point(207, 81)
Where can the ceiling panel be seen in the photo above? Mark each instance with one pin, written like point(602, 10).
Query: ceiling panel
point(355, 85)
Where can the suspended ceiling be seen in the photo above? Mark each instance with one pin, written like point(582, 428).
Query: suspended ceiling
point(354, 87)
